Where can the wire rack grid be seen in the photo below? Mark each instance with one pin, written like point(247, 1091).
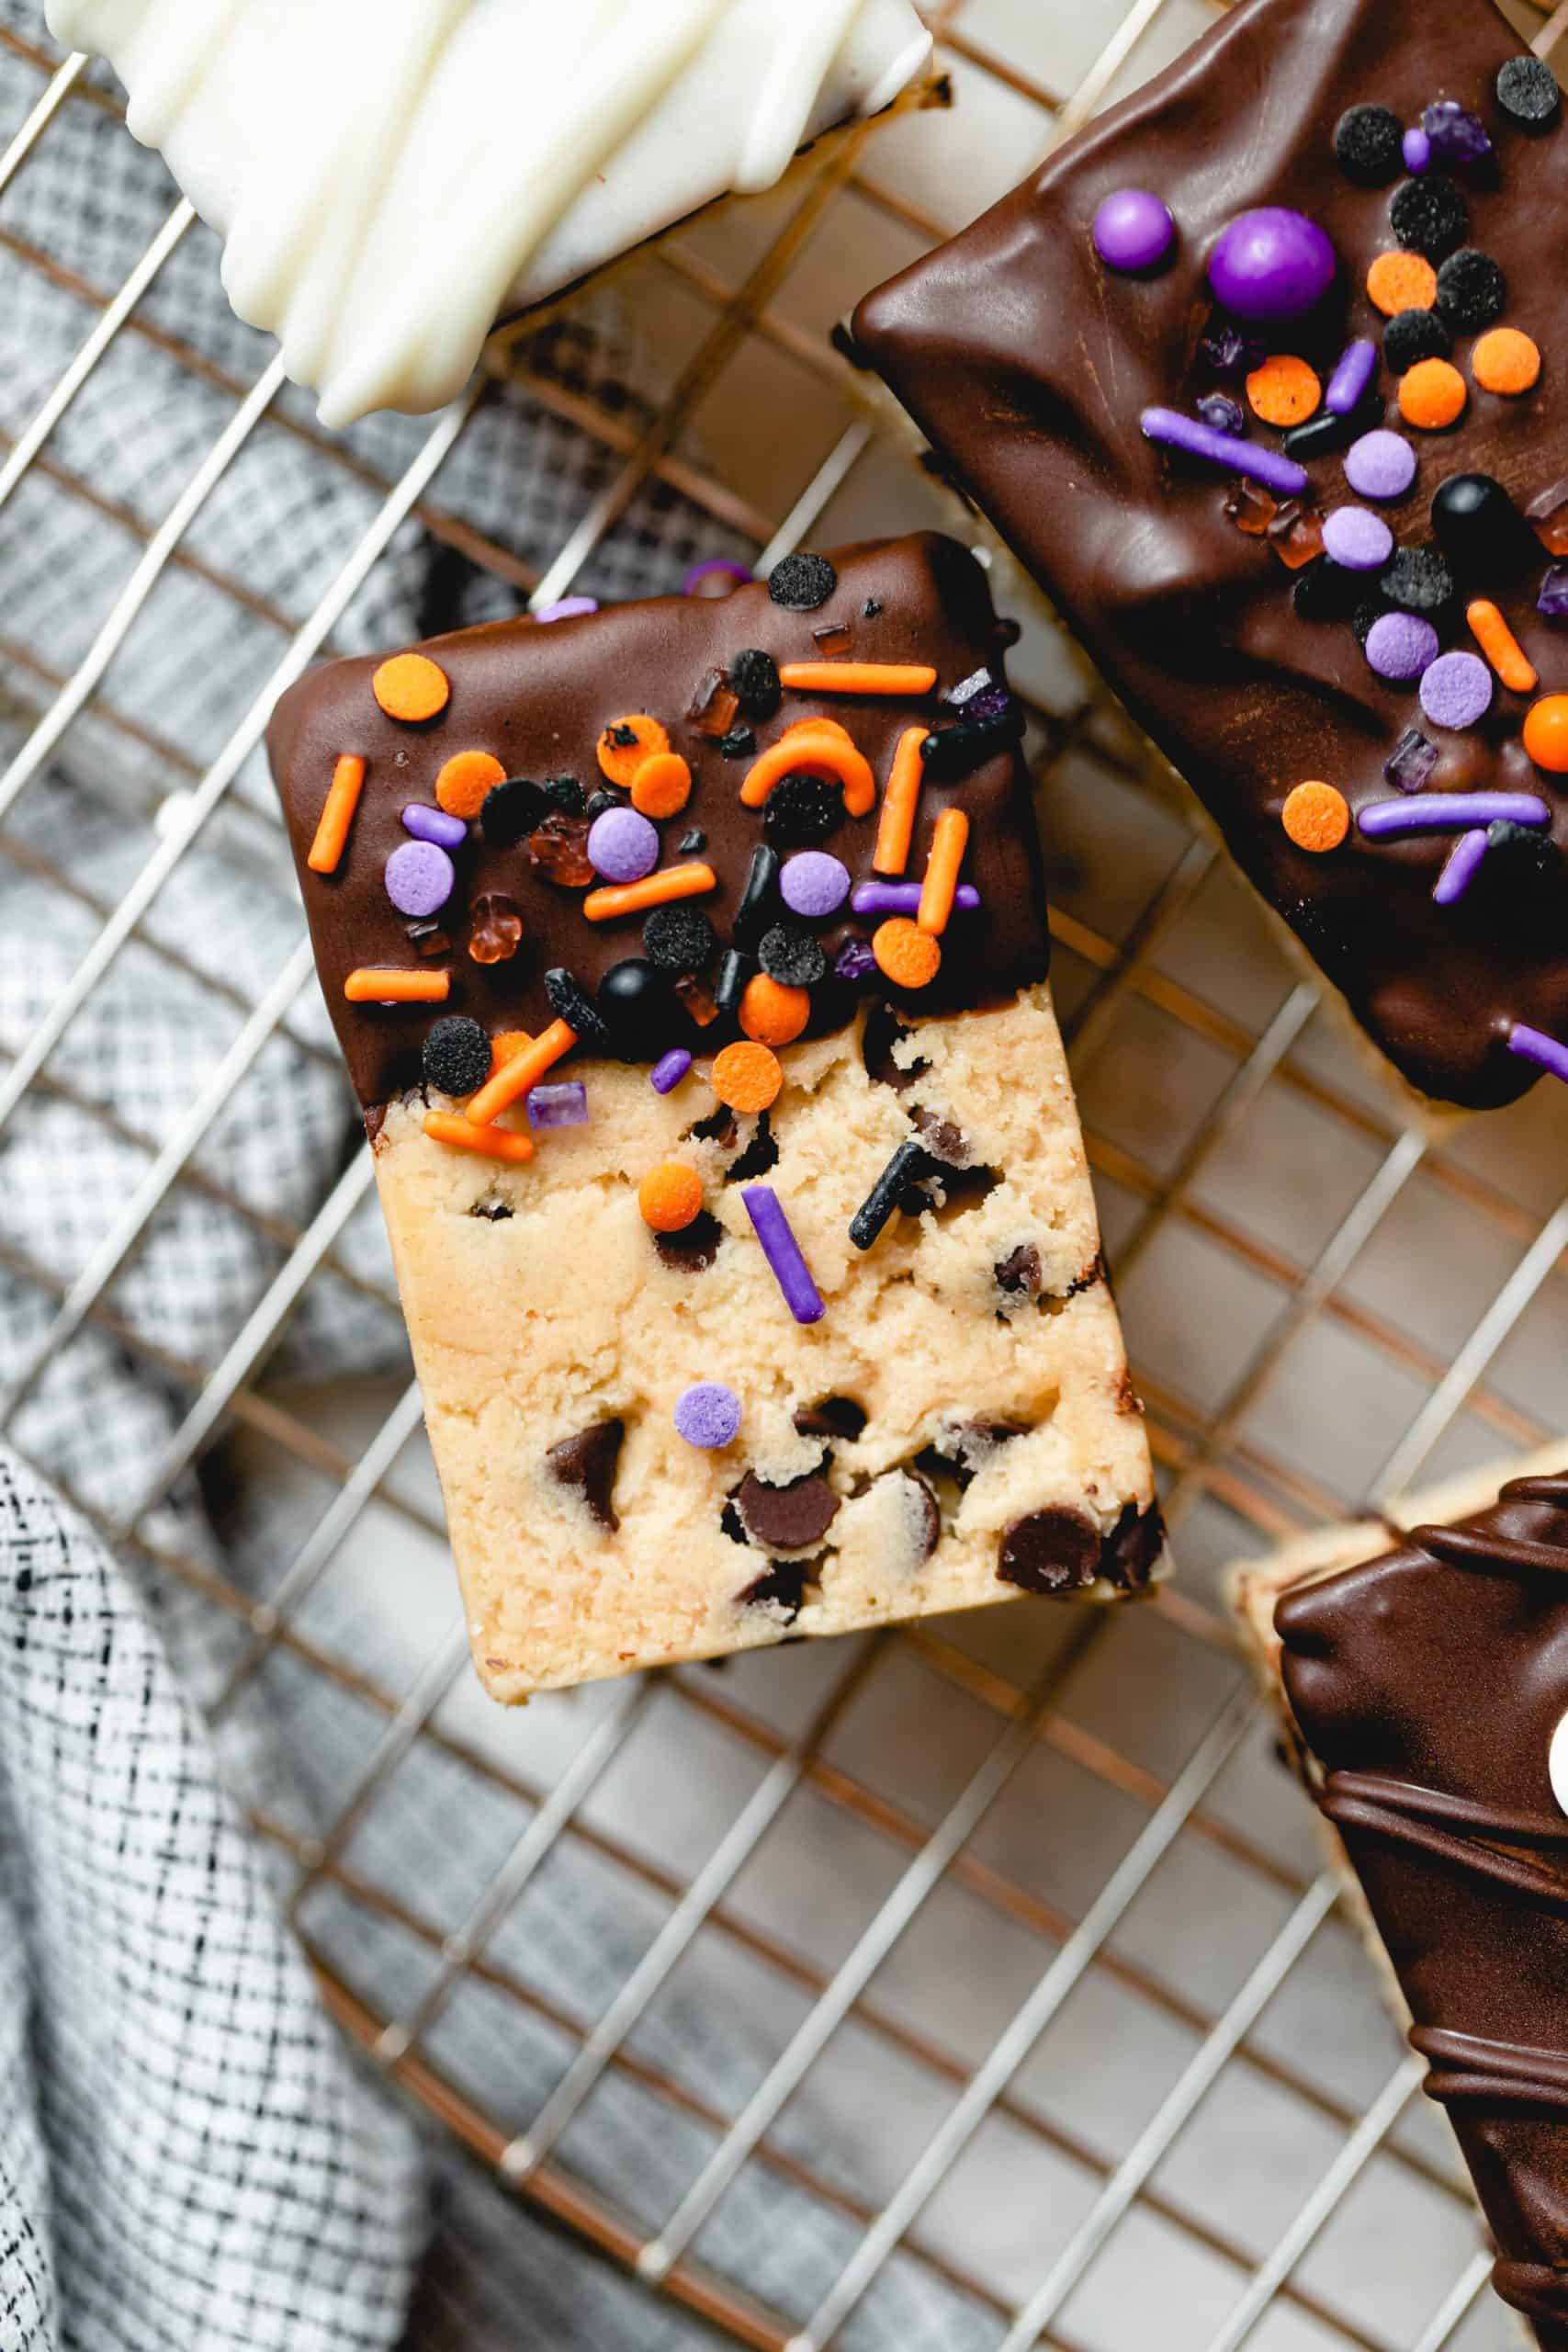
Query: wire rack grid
point(1050, 2014)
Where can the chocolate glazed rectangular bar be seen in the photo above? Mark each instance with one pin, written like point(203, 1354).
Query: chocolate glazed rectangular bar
point(1280, 599)
point(1430, 1689)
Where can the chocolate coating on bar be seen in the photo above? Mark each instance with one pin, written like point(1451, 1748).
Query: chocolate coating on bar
point(1428, 1685)
point(539, 698)
point(1028, 365)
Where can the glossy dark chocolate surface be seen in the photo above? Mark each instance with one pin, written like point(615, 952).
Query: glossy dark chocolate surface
point(1028, 363)
point(538, 698)
point(1428, 1685)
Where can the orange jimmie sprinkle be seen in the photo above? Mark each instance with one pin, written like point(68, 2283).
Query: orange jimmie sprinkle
point(1501, 647)
point(895, 827)
point(858, 677)
point(939, 887)
point(653, 891)
point(824, 750)
point(337, 814)
point(490, 1143)
point(519, 1072)
point(369, 986)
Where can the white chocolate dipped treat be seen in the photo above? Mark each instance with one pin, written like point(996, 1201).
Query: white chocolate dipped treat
point(386, 191)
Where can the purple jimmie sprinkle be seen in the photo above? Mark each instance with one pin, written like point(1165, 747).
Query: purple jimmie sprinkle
point(1174, 431)
point(1349, 382)
point(1534, 1047)
point(569, 608)
point(1452, 812)
point(782, 1252)
point(435, 825)
point(715, 578)
point(565, 1105)
point(1463, 866)
point(903, 898)
point(669, 1069)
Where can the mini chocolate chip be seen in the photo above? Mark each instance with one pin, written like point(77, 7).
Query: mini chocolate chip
point(739, 744)
point(760, 1154)
point(456, 1057)
point(1051, 1551)
point(838, 1417)
point(943, 1139)
point(786, 1519)
point(1129, 1553)
point(694, 1247)
point(1430, 216)
point(963, 1448)
point(792, 957)
point(754, 679)
point(882, 1031)
point(870, 610)
point(511, 810)
point(587, 1463)
point(1021, 1274)
point(492, 1211)
point(781, 1586)
point(925, 1515)
point(803, 583)
point(803, 812)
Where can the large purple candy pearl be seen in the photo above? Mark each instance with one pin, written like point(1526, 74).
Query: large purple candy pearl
point(1272, 265)
point(420, 878)
point(622, 845)
point(1133, 229)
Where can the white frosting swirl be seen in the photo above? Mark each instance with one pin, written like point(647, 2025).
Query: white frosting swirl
point(387, 188)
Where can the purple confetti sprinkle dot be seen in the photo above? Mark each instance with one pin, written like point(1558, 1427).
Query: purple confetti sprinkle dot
point(814, 884)
point(623, 845)
point(565, 1105)
point(708, 1415)
point(1348, 385)
point(855, 963)
point(1412, 759)
point(1456, 690)
point(1272, 265)
point(1535, 1047)
point(1451, 812)
point(435, 825)
point(1553, 602)
point(1174, 431)
point(1355, 537)
point(1380, 465)
point(1219, 410)
point(904, 897)
point(420, 878)
point(1134, 229)
point(782, 1252)
point(1417, 151)
point(569, 608)
point(1454, 135)
point(669, 1069)
point(715, 578)
point(1401, 646)
point(1463, 866)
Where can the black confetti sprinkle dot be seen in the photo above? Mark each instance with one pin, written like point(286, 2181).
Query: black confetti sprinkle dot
point(509, 812)
point(565, 793)
point(1528, 93)
point(803, 812)
point(679, 939)
point(1415, 336)
point(803, 583)
point(1370, 144)
point(1327, 592)
point(1473, 292)
point(1430, 216)
point(739, 744)
point(792, 957)
point(570, 1002)
point(1418, 581)
point(754, 681)
point(456, 1057)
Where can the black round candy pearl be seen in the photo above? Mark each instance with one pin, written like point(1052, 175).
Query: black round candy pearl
point(1369, 144)
point(635, 1004)
point(1477, 524)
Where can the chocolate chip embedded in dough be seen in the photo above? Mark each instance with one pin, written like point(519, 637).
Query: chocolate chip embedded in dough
point(1051, 1551)
point(943, 1139)
point(587, 1463)
point(1021, 1274)
point(782, 1587)
point(1134, 1543)
point(694, 1249)
point(838, 1417)
point(882, 1031)
point(786, 1519)
point(925, 1515)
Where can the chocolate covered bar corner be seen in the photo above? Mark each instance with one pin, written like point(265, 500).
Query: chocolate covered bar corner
point(1264, 378)
point(689, 962)
point(1421, 1668)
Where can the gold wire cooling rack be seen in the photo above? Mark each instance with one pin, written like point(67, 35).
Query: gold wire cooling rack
point(1027, 1914)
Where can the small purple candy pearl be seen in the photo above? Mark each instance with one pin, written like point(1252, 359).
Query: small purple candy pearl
point(569, 608)
point(708, 1415)
point(1272, 265)
point(622, 845)
point(1358, 538)
point(435, 825)
point(814, 884)
point(1457, 690)
point(420, 878)
point(1134, 229)
point(1380, 465)
point(1417, 151)
point(1400, 646)
point(669, 1069)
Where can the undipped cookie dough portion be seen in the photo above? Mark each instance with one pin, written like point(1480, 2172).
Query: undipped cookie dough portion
point(958, 1428)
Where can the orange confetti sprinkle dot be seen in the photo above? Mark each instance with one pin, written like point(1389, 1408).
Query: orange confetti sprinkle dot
point(505, 1046)
point(1501, 647)
point(772, 1014)
point(662, 786)
point(412, 687)
point(625, 744)
point(1284, 391)
point(488, 1143)
point(1316, 817)
point(747, 1078)
point(337, 814)
point(1505, 361)
point(910, 957)
point(670, 1196)
point(1398, 282)
point(466, 782)
point(1546, 734)
point(1432, 395)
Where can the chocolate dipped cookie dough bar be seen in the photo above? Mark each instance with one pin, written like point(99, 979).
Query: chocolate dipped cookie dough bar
point(1264, 376)
point(689, 962)
point(1421, 1667)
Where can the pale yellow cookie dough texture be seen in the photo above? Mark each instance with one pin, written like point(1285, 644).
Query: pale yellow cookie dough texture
point(553, 1336)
